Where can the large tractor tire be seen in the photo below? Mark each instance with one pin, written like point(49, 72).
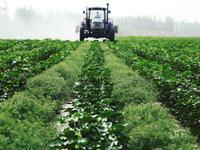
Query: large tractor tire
point(81, 34)
point(112, 34)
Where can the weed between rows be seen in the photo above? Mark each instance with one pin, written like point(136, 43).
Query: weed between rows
point(176, 90)
point(26, 119)
point(93, 120)
point(150, 125)
point(15, 70)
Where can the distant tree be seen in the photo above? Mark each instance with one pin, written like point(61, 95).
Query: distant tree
point(26, 14)
point(4, 8)
point(169, 24)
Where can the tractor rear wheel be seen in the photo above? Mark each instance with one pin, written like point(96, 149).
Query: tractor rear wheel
point(81, 34)
point(112, 34)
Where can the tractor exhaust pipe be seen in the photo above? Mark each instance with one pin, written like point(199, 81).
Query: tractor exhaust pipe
point(107, 10)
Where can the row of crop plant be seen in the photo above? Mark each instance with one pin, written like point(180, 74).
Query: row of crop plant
point(150, 124)
point(175, 44)
point(26, 118)
point(14, 44)
point(25, 66)
point(176, 91)
point(180, 59)
point(93, 121)
point(7, 43)
point(37, 50)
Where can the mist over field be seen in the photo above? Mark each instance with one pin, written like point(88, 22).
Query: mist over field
point(27, 23)
point(33, 25)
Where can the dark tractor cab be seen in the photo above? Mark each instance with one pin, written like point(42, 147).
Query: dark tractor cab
point(97, 24)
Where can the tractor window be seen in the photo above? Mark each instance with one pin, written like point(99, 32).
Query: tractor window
point(97, 14)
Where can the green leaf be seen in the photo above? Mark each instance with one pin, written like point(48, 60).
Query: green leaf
point(70, 134)
point(7, 56)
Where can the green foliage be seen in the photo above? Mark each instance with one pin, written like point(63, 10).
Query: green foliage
point(124, 91)
point(47, 85)
point(16, 69)
point(151, 126)
point(181, 53)
point(93, 122)
point(23, 122)
point(178, 90)
point(148, 123)
point(26, 119)
point(128, 86)
point(27, 106)
point(96, 120)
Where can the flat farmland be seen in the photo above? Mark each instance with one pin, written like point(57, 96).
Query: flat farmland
point(134, 93)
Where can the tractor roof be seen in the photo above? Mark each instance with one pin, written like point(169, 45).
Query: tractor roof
point(96, 8)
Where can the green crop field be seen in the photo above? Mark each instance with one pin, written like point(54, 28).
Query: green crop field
point(138, 93)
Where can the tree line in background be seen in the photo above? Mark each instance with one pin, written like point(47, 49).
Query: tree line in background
point(147, 24)
point(31, 24)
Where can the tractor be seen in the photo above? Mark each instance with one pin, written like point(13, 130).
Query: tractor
point(97, 24)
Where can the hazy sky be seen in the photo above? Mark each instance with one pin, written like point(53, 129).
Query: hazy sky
point(178, 9)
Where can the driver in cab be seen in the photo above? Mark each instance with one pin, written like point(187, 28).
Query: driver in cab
point(97, 16)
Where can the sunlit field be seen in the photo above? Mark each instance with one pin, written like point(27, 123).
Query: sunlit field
point(134, 93)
